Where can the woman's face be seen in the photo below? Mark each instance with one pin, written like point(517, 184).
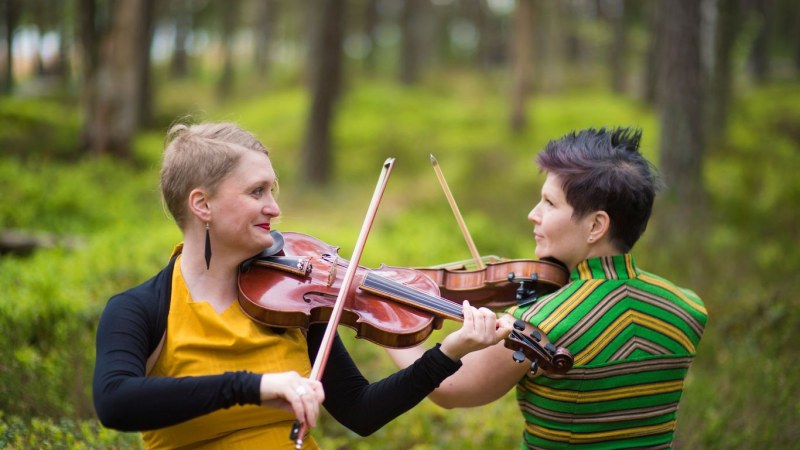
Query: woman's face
point(557, 234)
point(243, 206)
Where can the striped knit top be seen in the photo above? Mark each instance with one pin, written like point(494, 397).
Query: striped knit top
point(633, 336)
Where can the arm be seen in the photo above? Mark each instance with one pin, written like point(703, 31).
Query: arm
point(485, 376)
point(127, 400)
point(365, 407)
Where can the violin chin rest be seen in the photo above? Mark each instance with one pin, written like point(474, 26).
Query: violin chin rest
point(277, 244)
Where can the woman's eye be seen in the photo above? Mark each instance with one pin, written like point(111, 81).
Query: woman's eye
point(258, 191)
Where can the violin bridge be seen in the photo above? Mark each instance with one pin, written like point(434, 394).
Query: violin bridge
point(332, 271)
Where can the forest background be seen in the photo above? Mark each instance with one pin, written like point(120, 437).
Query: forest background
point(334, 87)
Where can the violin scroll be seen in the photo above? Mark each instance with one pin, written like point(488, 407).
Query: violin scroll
point(535, 347)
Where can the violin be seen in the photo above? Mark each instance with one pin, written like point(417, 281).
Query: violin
point(500, 283)
point(395, 307)
point(491, 282)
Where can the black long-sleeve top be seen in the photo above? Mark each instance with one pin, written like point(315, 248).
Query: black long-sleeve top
point(132, 325)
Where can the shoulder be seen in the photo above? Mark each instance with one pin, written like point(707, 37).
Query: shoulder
point(683, 297)
point(147, 294)
point(144, 307)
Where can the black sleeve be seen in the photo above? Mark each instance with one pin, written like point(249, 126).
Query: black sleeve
point(127, 400)
point(365, 407)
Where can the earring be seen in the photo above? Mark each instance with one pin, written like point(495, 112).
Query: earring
point(208, 248)
point(591, 238)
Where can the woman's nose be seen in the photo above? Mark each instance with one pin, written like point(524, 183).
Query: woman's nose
point(534, 216)
point(271, 208)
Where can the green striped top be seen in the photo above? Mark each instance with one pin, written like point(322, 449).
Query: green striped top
point(633, 336)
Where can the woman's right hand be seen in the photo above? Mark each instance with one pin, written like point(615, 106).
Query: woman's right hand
point(480, 329)
point(291, 392)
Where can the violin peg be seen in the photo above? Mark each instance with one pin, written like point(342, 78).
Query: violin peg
point(519, 325)
point(518, 356)
point(536, 335)
point(550, 347)
point(534, 367)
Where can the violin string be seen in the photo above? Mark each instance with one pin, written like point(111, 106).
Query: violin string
point(421, 298)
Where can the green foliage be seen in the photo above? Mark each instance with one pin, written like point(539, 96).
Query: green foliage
point(114, 234)
point(18, 434)
point(54, 128)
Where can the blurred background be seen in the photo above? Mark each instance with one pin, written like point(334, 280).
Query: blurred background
point(88, 89)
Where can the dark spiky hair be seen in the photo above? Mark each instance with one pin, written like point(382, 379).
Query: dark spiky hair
point(603, 170)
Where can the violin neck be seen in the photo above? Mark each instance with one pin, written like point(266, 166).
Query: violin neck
point(400, 293)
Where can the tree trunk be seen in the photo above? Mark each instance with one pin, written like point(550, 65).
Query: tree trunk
point(681, 110)
point(652, 69)
point(183, 18)
point(326, 67)
point(477, 13)
point(145, 39)
point(230, 14)
point(410, 23)
point(267, 13)
point(115, 99)
point(521, 63)
point(759, 54)
point(617, 12)
point(12, 10)
point(728, 25)
point(371, 22)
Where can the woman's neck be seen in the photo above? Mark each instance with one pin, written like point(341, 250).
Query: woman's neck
point(215, 284)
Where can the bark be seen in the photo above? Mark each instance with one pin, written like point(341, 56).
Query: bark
point(729, 19)
point(267, 13)
point(652, 69)
point(411, 58)
point(230, 15)
point(759, 54)
point(371, 21)
point(115, 97)
point(179, 64)
point(681, 108)
point(12, 10)
point(326, 72)
point(521, 63)
point(616, 11)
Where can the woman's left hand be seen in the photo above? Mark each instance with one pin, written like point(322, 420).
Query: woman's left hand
point(481, 329)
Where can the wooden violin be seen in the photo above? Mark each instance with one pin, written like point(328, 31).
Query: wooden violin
point(391, 306)
point(500, 283)
point(491, 281)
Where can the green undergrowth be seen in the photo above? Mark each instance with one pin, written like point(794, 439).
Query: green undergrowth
point(111, 233)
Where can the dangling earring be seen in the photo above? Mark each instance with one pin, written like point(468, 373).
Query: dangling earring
point(208, 248)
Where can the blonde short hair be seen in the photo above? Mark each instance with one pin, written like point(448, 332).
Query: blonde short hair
point(200, 156)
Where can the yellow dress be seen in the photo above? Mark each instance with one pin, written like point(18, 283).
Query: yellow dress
point(200, 341)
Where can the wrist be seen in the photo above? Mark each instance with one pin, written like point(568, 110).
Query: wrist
point(448, 350)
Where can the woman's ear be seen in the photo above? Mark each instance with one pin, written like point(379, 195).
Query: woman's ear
point(599, 226)
point(199, 206)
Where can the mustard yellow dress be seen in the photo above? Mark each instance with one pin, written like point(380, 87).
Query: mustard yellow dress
point(199, 341)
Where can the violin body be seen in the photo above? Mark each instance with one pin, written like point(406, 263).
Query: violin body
point(491, 286)
point(269, 289)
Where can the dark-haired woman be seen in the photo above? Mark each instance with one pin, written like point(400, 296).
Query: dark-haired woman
point(633, 334)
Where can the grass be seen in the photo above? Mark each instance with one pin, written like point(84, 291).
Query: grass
point(741, 392)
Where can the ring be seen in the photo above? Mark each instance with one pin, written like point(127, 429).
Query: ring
point(301, 391)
